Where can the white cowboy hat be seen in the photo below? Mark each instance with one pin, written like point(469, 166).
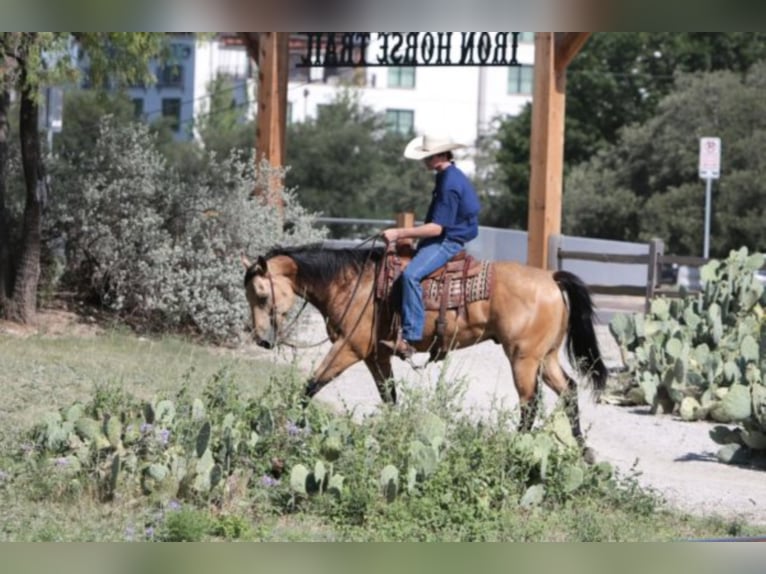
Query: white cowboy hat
point(427, 145)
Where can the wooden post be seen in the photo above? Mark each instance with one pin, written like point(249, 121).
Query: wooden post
point(405, 219)
point(546, 151)
point(553, 52)
point(273, 56)
point(554, 245)
point(656, 249)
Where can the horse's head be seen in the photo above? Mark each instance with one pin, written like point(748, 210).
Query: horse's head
point(270, 295)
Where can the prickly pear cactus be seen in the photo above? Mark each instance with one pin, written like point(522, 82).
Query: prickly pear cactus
point(704, 356)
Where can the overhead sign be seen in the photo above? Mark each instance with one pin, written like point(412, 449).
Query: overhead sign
point(710, 158)
point(349, 49)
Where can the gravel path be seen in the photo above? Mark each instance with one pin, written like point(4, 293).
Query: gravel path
point(673, 457)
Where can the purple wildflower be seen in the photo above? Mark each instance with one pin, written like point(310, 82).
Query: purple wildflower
point(164, 436)
point(174, 505)
point(292, 429)
point(150, 532)
point(269, 481)
point(62, 461)
point(146, 427)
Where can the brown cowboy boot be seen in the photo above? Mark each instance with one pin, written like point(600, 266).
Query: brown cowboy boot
point(400, 347)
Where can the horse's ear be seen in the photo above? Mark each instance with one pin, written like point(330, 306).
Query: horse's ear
point(245, 261)
point(262, 263)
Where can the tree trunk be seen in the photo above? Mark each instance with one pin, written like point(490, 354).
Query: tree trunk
point(6, 279)
point(23, 305)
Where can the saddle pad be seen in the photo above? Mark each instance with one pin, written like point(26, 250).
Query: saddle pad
point(476, 289)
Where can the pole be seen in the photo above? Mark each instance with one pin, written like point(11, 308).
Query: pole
point(708, 190)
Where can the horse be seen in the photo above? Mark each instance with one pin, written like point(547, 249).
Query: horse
point(530, 312)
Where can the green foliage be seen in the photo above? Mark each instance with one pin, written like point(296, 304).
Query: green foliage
point(702, 356)
point(617, 86)
point(502, 171)
point(119, 58)
point(191, 525)
point(646, 185)
point(163, 253)
point(345, 163)
point(222, 126)
point(84, 111)
point(277, 460)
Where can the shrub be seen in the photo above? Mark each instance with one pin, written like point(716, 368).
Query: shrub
point(163, 253)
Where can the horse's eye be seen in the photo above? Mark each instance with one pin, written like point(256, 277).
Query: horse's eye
point(261, 300)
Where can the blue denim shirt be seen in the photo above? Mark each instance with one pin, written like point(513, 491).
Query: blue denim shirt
point(455, 206)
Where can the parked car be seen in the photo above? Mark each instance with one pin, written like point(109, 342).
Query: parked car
point(689, 278)
point(668, 274)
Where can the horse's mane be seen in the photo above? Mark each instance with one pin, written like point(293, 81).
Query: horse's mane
point(320, 264)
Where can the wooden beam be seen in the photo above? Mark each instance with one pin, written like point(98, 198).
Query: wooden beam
point(553, 52)
point(568, 44)
point(271, 119)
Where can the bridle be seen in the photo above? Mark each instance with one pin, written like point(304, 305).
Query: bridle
point(293, 321)
point(275, 324)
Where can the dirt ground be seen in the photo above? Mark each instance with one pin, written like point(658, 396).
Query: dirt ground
point(675, 458)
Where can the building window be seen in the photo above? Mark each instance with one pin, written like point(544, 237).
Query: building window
point(170, 76)
point(526, 37)
point(138, 108)
point(520, 79)
point(403, 77)
point(171, 109)
point(402, 121)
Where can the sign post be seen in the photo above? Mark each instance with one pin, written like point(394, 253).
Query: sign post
point(709, 169)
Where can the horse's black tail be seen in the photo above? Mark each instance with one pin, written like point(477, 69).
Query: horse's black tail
point(583, 344)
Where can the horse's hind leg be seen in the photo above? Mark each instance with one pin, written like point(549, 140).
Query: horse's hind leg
point(566, 388)
point(525, 379)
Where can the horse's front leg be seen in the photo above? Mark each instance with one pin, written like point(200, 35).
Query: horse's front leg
point(340, 357)
point(382, 373)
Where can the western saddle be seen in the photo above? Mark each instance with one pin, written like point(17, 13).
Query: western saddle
point(462, 280)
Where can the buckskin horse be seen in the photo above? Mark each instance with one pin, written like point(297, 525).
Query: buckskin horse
point(530, 312)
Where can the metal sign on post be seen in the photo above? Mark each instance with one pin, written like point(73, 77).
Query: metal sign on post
point(710, 158)
point(709, 169)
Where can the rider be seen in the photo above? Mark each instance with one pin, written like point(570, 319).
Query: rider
point(452, 220)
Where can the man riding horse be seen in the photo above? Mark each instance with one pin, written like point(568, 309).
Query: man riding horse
point(451, 221)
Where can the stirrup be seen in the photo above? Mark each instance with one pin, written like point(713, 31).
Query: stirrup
point(401, 348)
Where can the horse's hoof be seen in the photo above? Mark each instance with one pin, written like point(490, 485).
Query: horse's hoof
point(589, 455)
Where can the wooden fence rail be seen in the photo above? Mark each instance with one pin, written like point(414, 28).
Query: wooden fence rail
point(654, 260)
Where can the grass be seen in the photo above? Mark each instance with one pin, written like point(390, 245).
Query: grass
point(473, 494)
point(45, 372)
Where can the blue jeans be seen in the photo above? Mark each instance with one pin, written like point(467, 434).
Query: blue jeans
point(428, 258)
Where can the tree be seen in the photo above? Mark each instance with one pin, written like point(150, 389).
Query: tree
point(617, 80)
point(502, 172)
point(223, 127)
point(32, 60)
point(345, 163)
point(646, 185)
point(84, 110)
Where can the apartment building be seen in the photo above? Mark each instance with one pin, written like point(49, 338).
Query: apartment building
point(459, 100)
point(182, 92)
